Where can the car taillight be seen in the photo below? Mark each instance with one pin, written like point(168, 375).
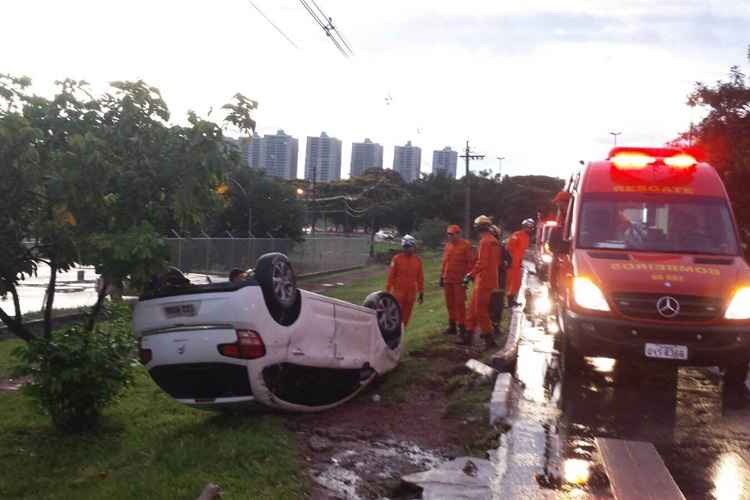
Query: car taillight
point(144, 354)
point(249, 345)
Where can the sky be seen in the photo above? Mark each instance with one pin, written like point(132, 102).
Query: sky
point(541, 83)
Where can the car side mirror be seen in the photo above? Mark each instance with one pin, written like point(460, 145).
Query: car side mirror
point(556, 242)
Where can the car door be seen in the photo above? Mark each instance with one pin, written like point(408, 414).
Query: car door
point(355, 327)
point(311, 341)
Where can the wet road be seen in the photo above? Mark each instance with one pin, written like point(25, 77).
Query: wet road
point(702, 434)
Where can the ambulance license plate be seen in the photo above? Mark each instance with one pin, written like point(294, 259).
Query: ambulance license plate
point(666, 351)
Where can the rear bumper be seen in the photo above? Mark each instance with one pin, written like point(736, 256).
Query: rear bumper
point(614, 338)
point(204, 383)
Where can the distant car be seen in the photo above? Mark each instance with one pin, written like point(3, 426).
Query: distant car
point(542, 253)
point(263, 341)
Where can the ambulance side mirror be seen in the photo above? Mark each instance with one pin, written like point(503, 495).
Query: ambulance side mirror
point(556, 242)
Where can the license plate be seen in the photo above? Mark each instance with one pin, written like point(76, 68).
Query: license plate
point(666, 351)
point(179, 310)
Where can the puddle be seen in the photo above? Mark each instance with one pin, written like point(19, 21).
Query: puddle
point(371, 470)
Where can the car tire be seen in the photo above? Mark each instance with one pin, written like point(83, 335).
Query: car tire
point(735, 374)
point(275, 274)
point(277, 280)
point(389, 316)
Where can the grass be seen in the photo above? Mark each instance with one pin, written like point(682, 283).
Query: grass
point(148, 446)
point(6, 361)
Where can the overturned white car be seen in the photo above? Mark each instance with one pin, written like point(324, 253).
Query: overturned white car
point(264, 341)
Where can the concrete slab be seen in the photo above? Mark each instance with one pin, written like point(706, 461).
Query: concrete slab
point(466, 478)
point(501, 398)
point(480, 368)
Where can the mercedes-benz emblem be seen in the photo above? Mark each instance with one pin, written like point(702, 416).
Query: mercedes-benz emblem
point(668, 307)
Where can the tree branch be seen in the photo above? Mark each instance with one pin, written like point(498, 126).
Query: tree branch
point(50, 298)
point(16, 302)
point(91, 322)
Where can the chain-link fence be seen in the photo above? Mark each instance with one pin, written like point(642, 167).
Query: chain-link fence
point(313, 255)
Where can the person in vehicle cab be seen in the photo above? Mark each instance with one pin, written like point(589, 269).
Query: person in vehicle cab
point(406, 278)
point(458, 259)
point(485, 277)
point(517, 245)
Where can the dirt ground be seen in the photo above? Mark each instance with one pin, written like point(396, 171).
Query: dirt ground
point(361, 449)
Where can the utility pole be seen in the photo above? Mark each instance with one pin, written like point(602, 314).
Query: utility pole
point(500, 164)
point(614, 135)
point(468, 156)
point(315, 195)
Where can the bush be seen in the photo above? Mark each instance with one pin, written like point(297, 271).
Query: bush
point(75, 374)
point(432, 232)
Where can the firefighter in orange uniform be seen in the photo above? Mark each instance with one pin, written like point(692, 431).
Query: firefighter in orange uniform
point(485, 277)
point(458, 259)
point(405, 278)
point(517, 245)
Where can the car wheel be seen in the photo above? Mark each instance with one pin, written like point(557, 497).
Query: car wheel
point(275, 274)
point(735, 375)
point(389, 316)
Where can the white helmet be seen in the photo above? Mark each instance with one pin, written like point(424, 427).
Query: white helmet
point(528, 223)
point(408, 241)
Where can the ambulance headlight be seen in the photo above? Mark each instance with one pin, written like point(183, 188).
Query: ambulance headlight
point(587, 295)
point(739, 306)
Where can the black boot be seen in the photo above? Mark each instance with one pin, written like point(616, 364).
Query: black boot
point(451, 330)
point(464, 337)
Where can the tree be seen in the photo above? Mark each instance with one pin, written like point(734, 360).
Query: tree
point(723, 136)
point(96, 181)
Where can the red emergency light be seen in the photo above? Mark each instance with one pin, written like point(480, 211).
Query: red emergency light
point(640, 158)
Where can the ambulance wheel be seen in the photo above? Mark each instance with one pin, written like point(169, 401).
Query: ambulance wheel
point(389, 316)
point(572, 360)
point(735, 375)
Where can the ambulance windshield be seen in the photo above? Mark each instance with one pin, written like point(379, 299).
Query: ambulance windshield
point(657, 223)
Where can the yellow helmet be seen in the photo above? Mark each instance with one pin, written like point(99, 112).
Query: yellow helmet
point(482, 220)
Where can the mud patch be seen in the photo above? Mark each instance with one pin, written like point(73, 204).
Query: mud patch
point(365, 470)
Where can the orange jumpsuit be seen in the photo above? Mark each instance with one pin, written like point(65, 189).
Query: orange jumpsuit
point(405, 281)
point(485, 274)
point(517, 245)
point(458, 259)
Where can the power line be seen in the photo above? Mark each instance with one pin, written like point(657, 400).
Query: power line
point(333, 28)
point(325, 25)
point(273, 24)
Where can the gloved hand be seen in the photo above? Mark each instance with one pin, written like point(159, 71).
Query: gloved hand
point(420, 298)
point(467, 280)
point(441, 283)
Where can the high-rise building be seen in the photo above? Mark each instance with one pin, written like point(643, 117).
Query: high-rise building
point(365, 155)
point(251, 150)
point(279, 155)
point(323, 158)
point(275, 154)
point(444, 162)
point(406, 161)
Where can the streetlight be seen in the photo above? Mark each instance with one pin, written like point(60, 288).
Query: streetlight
point(614, 135)
point(249, 207)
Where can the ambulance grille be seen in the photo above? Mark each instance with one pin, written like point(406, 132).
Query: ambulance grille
point(692, 308)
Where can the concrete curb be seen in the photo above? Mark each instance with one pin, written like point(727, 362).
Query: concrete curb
point(505, 358)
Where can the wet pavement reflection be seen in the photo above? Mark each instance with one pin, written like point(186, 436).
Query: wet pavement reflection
point(702, 433)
